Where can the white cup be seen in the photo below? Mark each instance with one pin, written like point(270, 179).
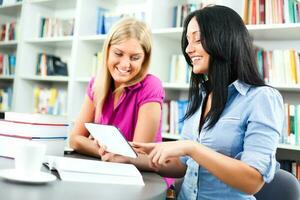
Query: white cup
point(29, 157)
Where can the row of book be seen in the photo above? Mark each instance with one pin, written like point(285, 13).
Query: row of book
point(17, 128)
point(291, 133)
point(172, 114)
point(56, 27)
point(279, 66)
point(271, 11)
point(291, 166)
point(8, 2)
point(50, 101)
point(7, 64)
point(106, 19)
point(182, 10)
point(179, 69)
point(5, 98)
point(9, 31)
point(51, 65)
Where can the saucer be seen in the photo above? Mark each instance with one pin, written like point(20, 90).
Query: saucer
point(13, 175)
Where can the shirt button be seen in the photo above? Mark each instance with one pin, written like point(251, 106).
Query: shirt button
point(196, 173)
point(195, 191)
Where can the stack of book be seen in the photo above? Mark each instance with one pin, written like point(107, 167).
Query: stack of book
point(17, 128)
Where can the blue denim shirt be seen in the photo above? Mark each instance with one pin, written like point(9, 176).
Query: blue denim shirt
point(248, 130)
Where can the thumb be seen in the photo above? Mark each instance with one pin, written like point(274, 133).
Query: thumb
point(146, 147)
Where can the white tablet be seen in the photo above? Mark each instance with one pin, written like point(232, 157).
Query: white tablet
point(112, 138)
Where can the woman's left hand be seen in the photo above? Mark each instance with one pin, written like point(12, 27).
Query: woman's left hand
point(111, 157)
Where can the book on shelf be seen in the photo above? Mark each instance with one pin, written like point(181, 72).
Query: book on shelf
point(56, 27)
point(280, 66)
point(5, 98)
point(50, 101)
point(291, 130)
point(9, 31)
point(271, 11)
point(7, 64)
point(106, 19)
point(51, 65)
point(94, 171)
point(179, 70)
point(173, 113)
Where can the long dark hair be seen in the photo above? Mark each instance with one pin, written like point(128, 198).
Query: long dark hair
point(231, 57)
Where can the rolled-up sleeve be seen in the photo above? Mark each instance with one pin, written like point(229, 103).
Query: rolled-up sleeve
point(264, 127)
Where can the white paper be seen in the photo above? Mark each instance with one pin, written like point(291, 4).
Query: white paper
point(82, 170)
point(111, 137)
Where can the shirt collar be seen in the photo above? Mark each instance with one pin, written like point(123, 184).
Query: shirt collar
point(240, 86)
point(135, 86)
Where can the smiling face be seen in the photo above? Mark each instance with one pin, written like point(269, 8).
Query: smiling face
point(125, 61)
point(194, 49)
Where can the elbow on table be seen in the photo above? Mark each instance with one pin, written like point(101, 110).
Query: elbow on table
point(74, 142)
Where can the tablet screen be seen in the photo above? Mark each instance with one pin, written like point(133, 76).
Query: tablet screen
point(112, 138)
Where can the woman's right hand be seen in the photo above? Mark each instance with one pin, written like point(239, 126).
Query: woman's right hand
point(141, 147)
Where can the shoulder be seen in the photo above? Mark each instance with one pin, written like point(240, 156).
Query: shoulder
point(264, 92)
point(151, 90)
point(151, 81)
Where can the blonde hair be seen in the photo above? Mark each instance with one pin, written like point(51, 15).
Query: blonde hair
point(125, 29)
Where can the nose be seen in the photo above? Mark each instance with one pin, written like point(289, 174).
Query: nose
point(125, 62)
point(189, 48)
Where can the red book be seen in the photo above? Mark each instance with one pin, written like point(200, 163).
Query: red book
point(261, 11)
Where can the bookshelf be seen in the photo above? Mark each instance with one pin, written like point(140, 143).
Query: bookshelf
point(77, 50)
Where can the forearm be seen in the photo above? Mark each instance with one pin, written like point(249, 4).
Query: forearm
point(84, 145)
point(174, 169)
point(231, 171)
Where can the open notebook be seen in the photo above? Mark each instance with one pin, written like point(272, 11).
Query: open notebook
point(82, 170)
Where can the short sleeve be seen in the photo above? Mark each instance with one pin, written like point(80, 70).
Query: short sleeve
point(152, 91)
point(89, 89)
point(264, 127)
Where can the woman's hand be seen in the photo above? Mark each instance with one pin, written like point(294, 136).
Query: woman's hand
point(110, 157)
point(160, 154)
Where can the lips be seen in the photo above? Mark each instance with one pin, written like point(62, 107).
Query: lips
point(123, 71)
point(196, 58)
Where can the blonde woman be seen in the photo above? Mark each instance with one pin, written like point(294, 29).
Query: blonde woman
point(122, 94)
